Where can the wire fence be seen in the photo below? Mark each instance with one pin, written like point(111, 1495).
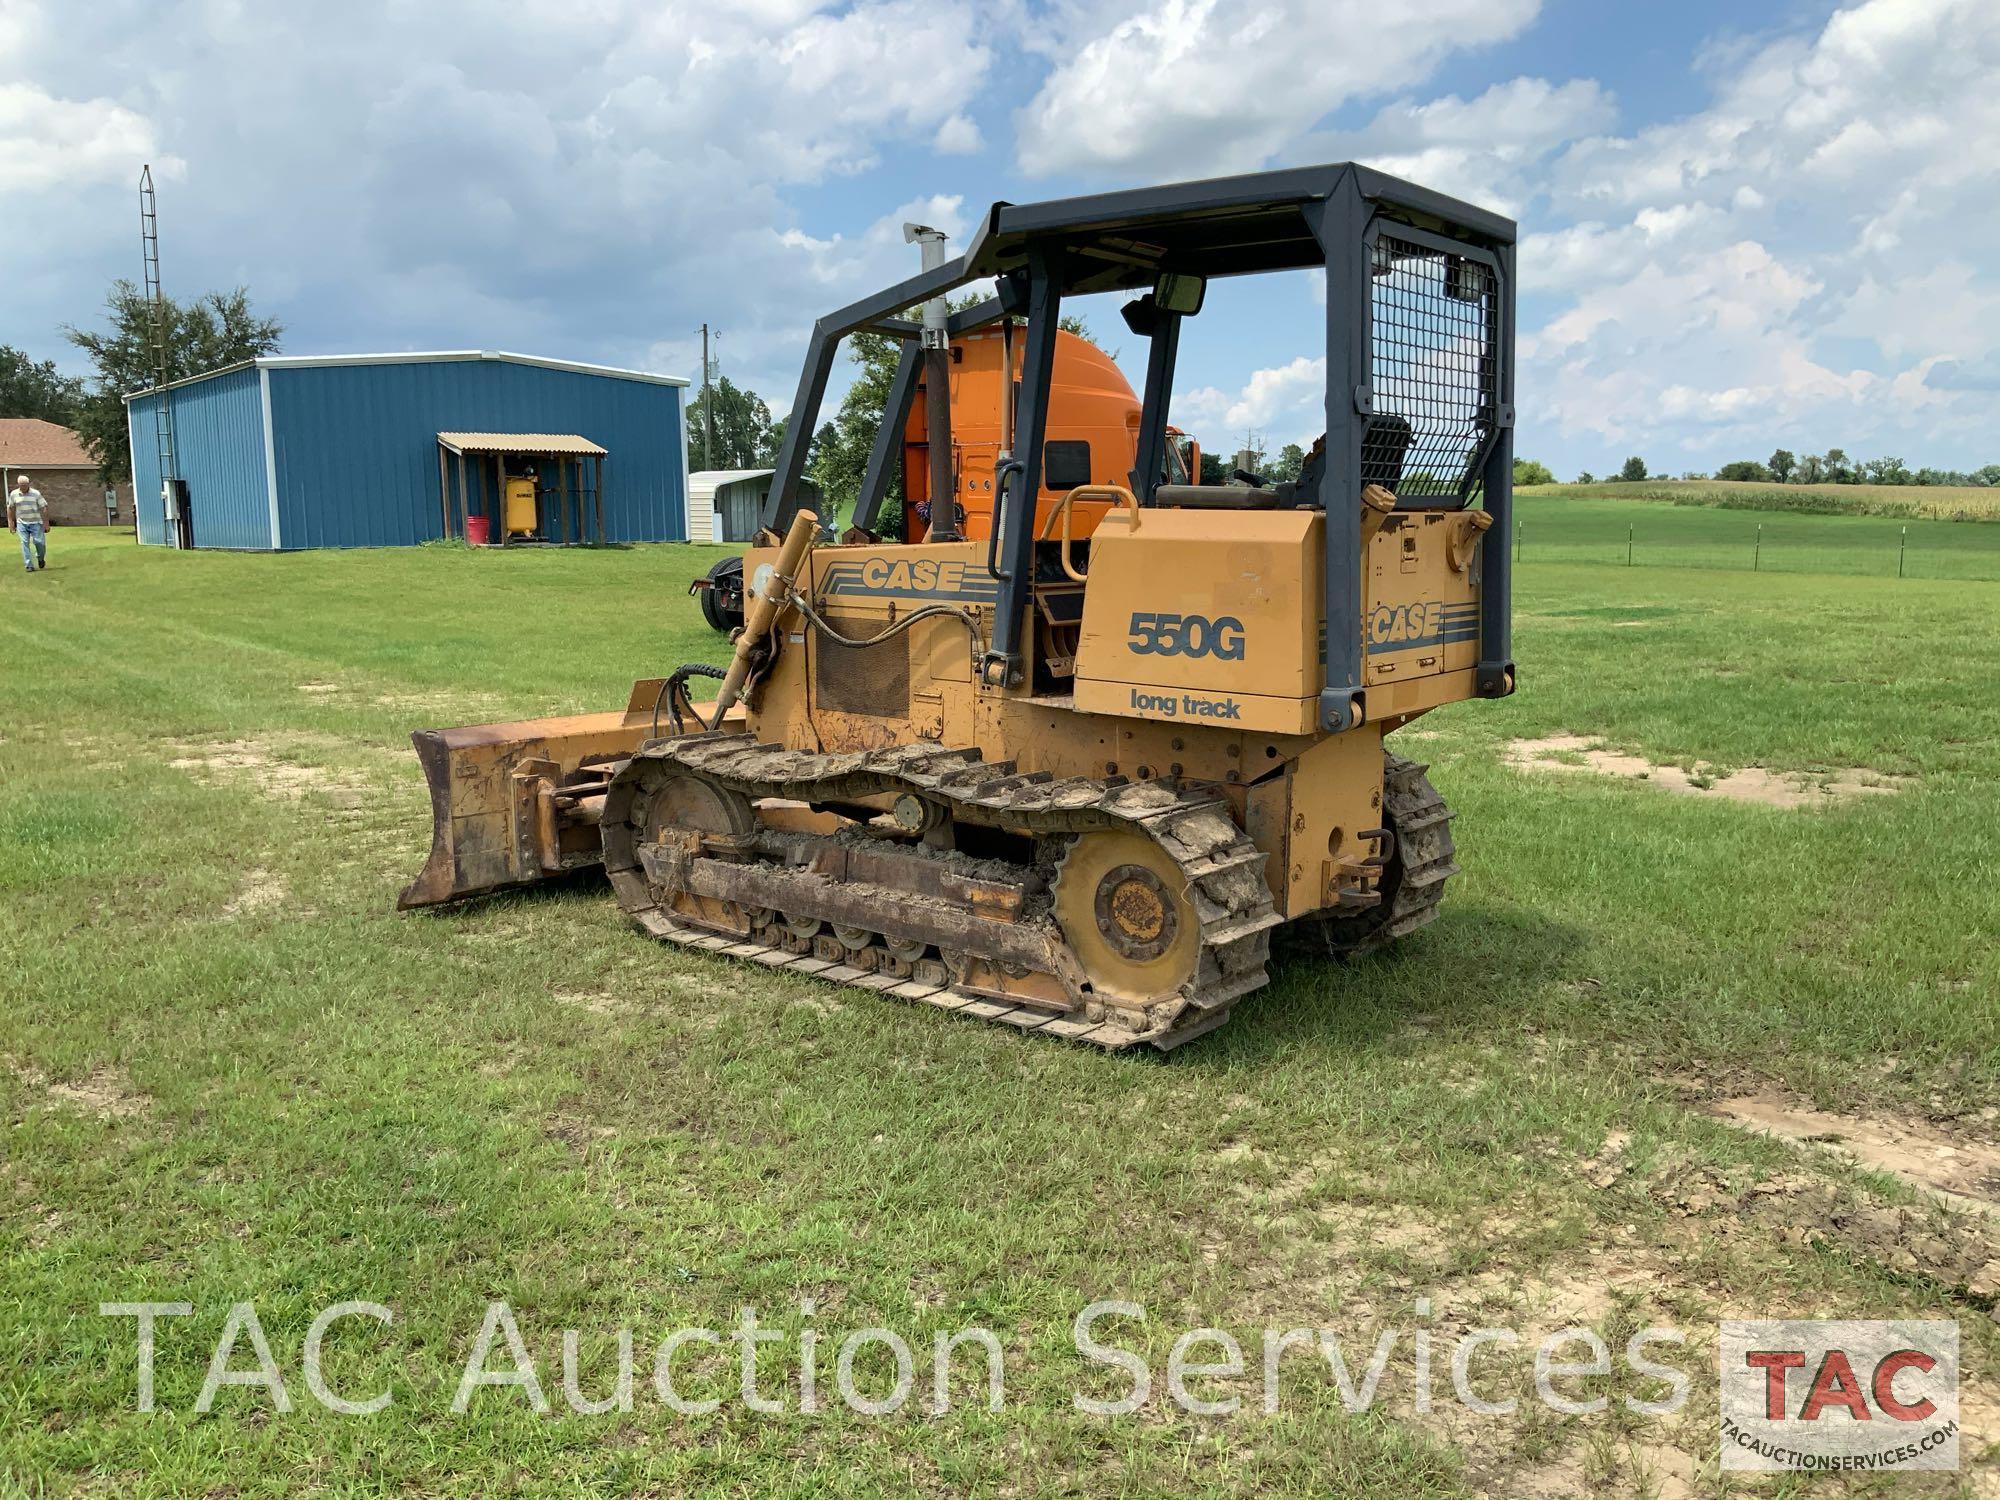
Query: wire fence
point(1938, 550)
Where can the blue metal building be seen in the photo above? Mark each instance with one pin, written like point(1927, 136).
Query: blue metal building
point(343, 451)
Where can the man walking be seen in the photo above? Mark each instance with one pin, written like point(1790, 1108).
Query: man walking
point(28, 516)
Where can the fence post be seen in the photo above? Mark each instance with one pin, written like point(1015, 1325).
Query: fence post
point(1902, 546)
point(1517, 541)
point(1757, 557)
point(1628, 544)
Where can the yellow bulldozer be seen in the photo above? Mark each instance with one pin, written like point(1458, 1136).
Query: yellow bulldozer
point(1071, 783)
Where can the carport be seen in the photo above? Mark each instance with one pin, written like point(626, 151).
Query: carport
point(569, 507)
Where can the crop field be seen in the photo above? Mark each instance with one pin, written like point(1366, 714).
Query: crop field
point(1901, 501)
point(1707, 1029)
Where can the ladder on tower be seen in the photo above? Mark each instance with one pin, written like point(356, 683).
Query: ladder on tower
point(163, 414)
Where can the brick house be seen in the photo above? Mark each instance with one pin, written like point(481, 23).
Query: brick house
point(55, 460)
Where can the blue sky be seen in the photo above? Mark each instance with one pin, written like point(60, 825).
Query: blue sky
point(1742, 226)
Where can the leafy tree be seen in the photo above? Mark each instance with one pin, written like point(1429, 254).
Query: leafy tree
point(1527, 471)
point(1988, 475)
point(1632, 470)
point(742, 426)
point(1288, 465)
point(1782, 463)
point(29, 389)
point(841, 446)
point(1837, 471)
point(1213, 469)
point(1812, 469)
point(212, 331)
point(1743, 468)
point(1586, 477)
point(1887, 471)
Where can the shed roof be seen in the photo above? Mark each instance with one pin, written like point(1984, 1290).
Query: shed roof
point(521, 442)
point(703, 483)
point(425, 357)
point(31, 443)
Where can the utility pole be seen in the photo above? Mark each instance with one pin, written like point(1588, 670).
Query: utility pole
point(937, 391)
point(707, 406)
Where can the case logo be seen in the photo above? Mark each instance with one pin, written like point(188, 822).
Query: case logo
point(912, 578)
point(1427, 622)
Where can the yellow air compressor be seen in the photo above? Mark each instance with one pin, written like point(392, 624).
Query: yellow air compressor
point(520, 507)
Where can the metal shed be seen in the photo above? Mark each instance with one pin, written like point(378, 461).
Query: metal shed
point(289, 451)
point(724, 504)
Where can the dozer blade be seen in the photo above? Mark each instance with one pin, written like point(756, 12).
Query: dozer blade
point(517, 803)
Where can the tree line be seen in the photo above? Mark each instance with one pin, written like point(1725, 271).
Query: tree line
point(1784, 467)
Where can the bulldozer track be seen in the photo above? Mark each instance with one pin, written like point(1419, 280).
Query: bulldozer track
point(758, 885)
point(1422, 861)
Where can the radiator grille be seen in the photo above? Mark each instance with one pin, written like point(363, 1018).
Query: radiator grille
point(872, 680)
point(1433, 372)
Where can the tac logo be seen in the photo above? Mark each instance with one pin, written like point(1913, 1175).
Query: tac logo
point(1406, 624)
point(1847, 1395)
point(924, 576)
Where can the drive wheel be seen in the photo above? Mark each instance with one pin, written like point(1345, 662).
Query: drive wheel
point(1124, 907)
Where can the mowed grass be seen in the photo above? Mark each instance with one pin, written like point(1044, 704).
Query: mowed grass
point(1552, 529)
point(233, 1073)
point(1902, 501)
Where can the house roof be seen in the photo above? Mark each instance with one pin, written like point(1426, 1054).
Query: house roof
point(521, 443)
point(30, 443)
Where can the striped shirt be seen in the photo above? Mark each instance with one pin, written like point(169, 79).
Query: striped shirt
point(27, 508)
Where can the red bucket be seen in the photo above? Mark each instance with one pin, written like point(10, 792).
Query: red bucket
point(478, 531)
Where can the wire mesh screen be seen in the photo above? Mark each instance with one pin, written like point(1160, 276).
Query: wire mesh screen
point(1432, 370)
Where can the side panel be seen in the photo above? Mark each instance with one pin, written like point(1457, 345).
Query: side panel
point(356, 445)
point(219, 450)
point(1204, 616)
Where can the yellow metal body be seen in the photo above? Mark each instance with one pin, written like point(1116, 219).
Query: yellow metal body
point(519, 511)
point(1182, 644)
point(1189, 647)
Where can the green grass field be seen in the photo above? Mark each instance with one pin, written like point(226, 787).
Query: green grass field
point(231, 1072)
point(1899, 501)
point(1599, 530)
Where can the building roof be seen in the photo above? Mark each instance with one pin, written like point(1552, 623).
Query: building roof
point(521, 442)
point(704, 483)
point(437, 356)
point(31, 443)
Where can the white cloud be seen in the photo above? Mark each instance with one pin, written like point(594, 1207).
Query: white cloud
point(1188, 88)
point(1729, 272)
point(1282, 403)
point(47, 142)
point(593, 180)
point(1489, 149)
point(958, 136)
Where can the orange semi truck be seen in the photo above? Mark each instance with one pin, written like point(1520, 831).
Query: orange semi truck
point(1093, 433)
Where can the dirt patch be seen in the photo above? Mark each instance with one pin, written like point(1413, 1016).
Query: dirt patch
point(597, 1002)
point(1766, 788)
point(106, 1092)
point(1962, 1172)
point(264, 766)
point(317, 689)
point(261, 890)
